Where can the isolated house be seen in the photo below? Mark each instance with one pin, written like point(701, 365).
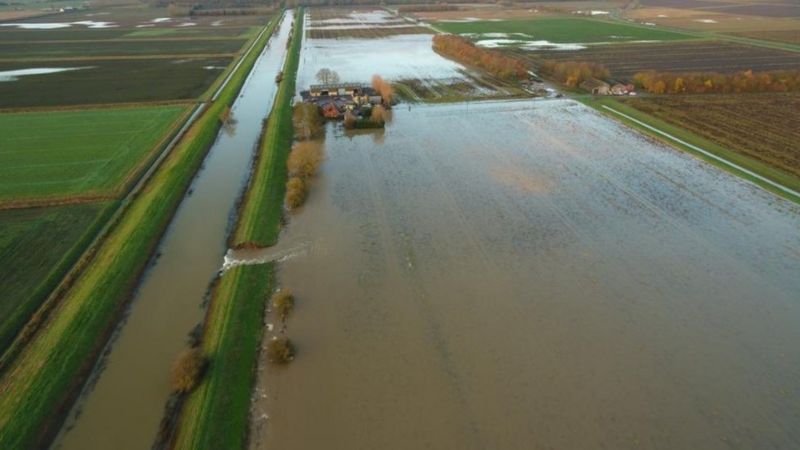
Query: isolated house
point(619, 89)
point(596, 87)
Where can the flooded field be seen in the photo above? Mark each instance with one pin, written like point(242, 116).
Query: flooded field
point(569, 285)
point(393, 48)
point(123, 405)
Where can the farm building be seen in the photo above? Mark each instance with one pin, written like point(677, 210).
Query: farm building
point(596, 87)
point(335, 99)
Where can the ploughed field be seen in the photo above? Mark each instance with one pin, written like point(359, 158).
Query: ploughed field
point(787, 36)
point(698, 56)
point(512, 275)
point(765, 127)
point(129, 47)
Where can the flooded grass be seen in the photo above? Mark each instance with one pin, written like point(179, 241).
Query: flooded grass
point(627, 294)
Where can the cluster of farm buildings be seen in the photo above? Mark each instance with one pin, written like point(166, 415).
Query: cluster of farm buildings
point(600, 87)
point(336, 99)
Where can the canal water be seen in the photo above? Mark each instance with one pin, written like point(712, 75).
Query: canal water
point(122, 405)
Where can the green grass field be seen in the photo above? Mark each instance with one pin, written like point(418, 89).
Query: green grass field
point(40, 380)
point(564, 30)
point(216, 414)
point(37, 246)
point(77, 153)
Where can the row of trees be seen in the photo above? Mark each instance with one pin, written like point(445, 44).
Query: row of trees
point(573, 73)
point(711, 82)
point(492, 61)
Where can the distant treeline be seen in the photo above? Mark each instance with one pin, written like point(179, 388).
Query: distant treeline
point(573, 73)
point(492, 61)
point(426, 8)
point(711, 82)
point(232, 12)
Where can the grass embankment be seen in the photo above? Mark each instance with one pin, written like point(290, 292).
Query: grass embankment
point(260, 215)
point(40, 383)
point(216, 414)
point(687, 136)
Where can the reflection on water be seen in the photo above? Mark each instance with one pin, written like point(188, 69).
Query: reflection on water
point(533, 275)
point(123, 409)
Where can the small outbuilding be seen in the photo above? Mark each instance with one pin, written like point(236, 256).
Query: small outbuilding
point(596, 87)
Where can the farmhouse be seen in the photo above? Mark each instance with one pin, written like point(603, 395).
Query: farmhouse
point(335, 99)
point(596, 87)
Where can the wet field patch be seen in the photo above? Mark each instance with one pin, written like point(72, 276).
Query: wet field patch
point(112, 81)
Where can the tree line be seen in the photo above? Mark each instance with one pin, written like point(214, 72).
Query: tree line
point(573, 73)
point(492, 61)
point(712, 82)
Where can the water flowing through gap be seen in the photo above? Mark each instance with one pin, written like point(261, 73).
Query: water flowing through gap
point(123, 403)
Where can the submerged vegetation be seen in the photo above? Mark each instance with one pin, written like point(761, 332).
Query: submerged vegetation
point(283, 302)
point(280, 350)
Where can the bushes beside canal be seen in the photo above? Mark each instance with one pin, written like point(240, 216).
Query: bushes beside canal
point(40, 384)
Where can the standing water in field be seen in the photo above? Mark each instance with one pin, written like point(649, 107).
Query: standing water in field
point(122, 407)
point(532, 274)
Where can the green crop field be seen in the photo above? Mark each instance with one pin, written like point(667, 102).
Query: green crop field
point(563, 30)
point(32, 261)
point(63, 154)
point(111, 81)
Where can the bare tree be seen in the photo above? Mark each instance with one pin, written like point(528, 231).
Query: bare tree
point(327, 76)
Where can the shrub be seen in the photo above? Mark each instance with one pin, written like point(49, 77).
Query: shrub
point(283, 302)
point(280, 350)
point(384, 88)
point(304, 159)
point(378, 114)
point(295, 192)
point(187, 371)
point(349, 119)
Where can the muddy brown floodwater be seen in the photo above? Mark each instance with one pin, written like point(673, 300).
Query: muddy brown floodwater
point(533, 275)
point(121, 407)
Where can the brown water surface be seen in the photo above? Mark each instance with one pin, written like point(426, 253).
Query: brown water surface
point(526, 275)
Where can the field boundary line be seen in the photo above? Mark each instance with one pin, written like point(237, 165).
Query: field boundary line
point(708, 154)
point(88, 106)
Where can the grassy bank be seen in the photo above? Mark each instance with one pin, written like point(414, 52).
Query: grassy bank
point(259, 219)
point(216, 414)
point(40, 383)
point(739, 159)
